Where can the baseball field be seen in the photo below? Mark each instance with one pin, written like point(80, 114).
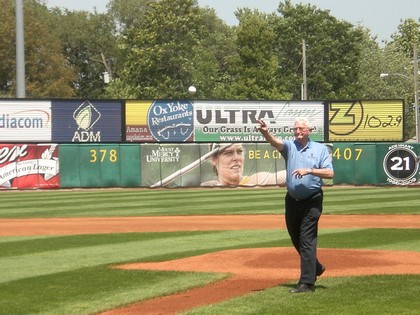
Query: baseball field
point(204, 251)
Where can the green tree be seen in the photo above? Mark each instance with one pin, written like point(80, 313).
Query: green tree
point(402, 71)
point(407, 35)
point(169, 53)
point(213, 53)
point(47, 72)
point(7, 45)
point(254, 72)
point(128, 14)
point(394, 83)
point(333, 51)
point(90, 44)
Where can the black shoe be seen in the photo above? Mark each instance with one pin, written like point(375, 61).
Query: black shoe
point(303, 288)
point(321, 271)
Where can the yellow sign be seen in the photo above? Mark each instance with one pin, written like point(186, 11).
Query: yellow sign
point(136, 112)
point(365, 120)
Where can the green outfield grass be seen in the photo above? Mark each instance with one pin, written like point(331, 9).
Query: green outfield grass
point(71, 274)
point(155, 202)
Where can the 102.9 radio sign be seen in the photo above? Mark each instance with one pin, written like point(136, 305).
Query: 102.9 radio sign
point(371, 120)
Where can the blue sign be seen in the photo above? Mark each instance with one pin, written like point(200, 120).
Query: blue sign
point(86, 121)
point(171, 121)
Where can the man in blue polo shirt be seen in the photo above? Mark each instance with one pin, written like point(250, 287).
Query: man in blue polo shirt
point(307, 163)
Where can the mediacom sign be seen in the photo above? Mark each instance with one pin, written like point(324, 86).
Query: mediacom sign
point(25, 121)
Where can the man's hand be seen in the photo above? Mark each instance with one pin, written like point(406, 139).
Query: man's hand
point(299, 173)
point(262, 127)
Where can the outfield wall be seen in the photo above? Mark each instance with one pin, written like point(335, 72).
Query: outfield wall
point(51, 166)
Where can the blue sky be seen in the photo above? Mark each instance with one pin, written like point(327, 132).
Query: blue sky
point(382, 17)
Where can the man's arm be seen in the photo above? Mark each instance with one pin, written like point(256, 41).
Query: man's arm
point(322, 172)
point(325, 169)
point(275, 142)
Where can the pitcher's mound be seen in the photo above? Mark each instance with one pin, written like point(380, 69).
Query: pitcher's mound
point(258, 269)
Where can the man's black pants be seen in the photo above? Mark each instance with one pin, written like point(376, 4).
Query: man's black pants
point(302, 218)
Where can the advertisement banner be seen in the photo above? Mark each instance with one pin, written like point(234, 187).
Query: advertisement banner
point(159, 121)
point(29, 166)
point(366, 120)
point(25, 121)
point(236, 121)
point(243, 164)
point(194, 165)
point(399, 163)
point(170, 165)
point(86, 121)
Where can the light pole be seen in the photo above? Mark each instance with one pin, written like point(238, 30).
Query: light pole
point(20, 51)
point(304, 87)
point(416, 90)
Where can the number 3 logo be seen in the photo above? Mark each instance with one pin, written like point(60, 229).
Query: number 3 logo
point(401, 164)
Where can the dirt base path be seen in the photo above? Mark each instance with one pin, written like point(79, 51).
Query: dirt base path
point(250, 269)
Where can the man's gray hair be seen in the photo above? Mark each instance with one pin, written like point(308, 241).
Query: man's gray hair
point(305, 121)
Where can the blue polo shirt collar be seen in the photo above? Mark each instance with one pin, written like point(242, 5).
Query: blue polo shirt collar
point(299, 146)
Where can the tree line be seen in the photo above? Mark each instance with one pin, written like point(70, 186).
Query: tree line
point(156, 49)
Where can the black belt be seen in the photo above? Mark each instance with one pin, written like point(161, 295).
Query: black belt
point(309, 198)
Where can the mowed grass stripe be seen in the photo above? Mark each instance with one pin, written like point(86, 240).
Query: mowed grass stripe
point(135, 207)
point(376, 207)
point(362, 193)
point(353, 238)
point(27, 259)
point(112, 249)
point(146, 202)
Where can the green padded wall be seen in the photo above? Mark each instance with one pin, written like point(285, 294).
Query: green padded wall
point(99, 165)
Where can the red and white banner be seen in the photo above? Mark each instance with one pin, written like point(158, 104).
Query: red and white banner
point(29, 166)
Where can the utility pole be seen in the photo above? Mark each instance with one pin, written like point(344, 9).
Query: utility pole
point(416, 91)
point(304, 90)
point(20, 51)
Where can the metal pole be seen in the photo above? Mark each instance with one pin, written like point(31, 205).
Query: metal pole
point(416, 91)
point(20, 51)
point(304, 86)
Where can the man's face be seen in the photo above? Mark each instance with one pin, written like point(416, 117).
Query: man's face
point(301, 131)
point(229, 165)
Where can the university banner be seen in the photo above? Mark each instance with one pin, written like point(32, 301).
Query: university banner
point(214, 164)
